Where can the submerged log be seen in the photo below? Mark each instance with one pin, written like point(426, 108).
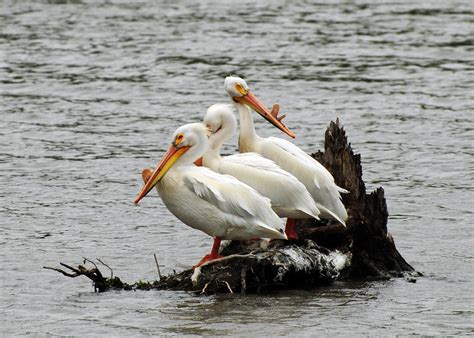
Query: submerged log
point(280, 266)
point(94, 274)
point(326, 251)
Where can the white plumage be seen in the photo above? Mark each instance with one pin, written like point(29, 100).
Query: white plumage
point(219, 205)
point(289, 197)
point(317, 180)
point(311, 173)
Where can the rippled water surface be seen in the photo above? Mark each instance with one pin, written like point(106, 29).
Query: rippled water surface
point(91, 92)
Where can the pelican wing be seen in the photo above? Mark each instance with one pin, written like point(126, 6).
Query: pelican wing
point(315, 177)
point(284, 189)
point(233, 197)
point(293, 149)
point(323, 173)
point(257, 161)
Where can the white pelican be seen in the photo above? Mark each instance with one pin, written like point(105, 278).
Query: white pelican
point(289, 157)
point(219, 205)
point(288, 196)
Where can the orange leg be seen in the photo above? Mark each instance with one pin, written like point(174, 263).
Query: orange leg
point(214, 254)
point(290, 229)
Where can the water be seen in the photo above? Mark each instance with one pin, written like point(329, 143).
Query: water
point(91, 92)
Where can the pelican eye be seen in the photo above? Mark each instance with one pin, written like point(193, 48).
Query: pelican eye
point(240, 89)
point(179, 138)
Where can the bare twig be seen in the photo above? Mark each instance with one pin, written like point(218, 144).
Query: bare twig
point(71, 268)
point(243, 281)
point(157, 266)
point(204, 288)
point(111, 271)
point(94, 274)
point(88, 260)
point(228, 286)
point(62, 271)
point(257, 279)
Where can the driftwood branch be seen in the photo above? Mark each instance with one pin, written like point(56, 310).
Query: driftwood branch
point(93, 274)
point(157, 266)
point(326, 251)
point(106, 265)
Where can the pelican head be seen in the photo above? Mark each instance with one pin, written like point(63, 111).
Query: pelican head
point(189, 142)
point(240, 93)
point(221, 122)
point(218, 116)
point(236, 86)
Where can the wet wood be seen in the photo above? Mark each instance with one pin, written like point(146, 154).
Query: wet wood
point(373, 250)
point(325, 252)
point(94, 274)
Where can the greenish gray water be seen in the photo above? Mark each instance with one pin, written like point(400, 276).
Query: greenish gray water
point(91, 92)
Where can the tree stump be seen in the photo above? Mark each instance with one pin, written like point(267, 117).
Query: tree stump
point(326, 251)
point(373, 250)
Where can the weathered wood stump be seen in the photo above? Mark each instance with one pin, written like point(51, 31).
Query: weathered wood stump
point(373, 250)
point(326, 251)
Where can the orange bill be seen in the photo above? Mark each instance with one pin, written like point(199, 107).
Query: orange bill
point(165, 164)
point(271, 116)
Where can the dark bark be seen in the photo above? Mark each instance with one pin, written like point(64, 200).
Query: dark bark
point(374, 254)
point(326, 251)
point(94, 274)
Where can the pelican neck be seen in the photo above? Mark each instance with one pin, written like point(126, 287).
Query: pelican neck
point(247, 128)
